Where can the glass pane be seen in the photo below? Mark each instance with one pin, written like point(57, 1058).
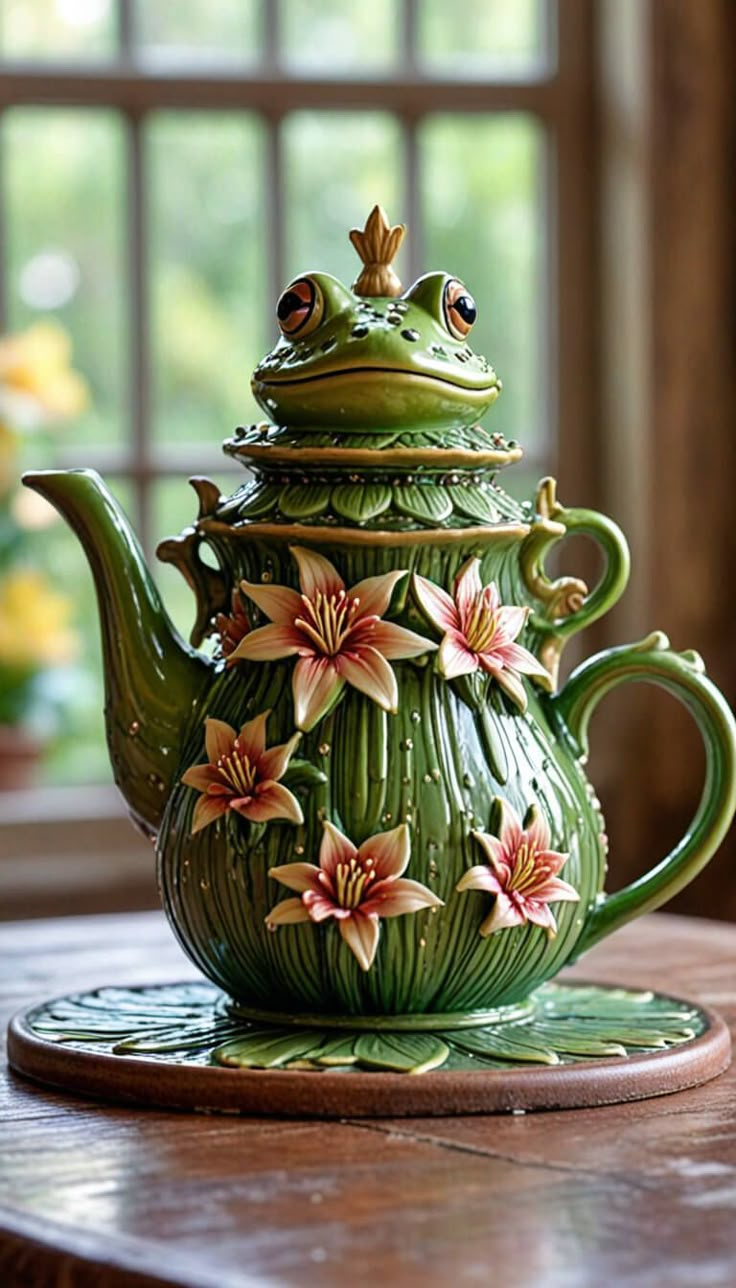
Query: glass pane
point(338, 36)
point(199, 31)
point(65, 209)
point(337, 165)
point(208, 263)
point(56, 30)
point(71, 699)
point(484, 36)
point(480, 178)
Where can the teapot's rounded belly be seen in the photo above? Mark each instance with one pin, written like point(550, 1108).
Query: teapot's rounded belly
point(436, 766)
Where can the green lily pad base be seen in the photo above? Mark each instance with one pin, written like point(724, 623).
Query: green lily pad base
point(178, 1045)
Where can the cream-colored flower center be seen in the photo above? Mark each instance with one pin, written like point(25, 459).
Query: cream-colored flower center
point(482, 623)
point(237, 771)
point(526, 871)
point(328, 619)
point(352, 880)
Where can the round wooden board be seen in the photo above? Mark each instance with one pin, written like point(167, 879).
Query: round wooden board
point(172, 1083)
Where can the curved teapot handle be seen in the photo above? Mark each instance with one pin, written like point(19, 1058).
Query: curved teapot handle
point(568, 605)
point(683, 675)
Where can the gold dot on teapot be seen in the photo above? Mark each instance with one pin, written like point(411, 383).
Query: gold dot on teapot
point(266, 575)
point(324, 749)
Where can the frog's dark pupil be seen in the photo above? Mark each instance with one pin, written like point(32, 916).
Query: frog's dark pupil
point(465, 306)
point(288, 304)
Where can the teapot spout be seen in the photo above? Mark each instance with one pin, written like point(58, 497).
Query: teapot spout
point(152, 678)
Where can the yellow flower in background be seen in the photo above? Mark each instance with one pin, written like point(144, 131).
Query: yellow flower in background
point(34, 622)
point(8, 457)
point(37, 381)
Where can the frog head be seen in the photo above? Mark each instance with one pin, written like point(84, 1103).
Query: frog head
point(375, 356)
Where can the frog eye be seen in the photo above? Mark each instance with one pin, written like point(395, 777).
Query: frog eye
point(300, 308)
point(459, 309)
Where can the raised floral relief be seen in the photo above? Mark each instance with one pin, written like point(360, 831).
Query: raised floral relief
point(479, 632)
point(232, 627)
point(520, 871)
point(242, 775)
point(357, 885)
point(337, 634)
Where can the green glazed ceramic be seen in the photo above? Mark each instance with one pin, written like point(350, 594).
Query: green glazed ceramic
point(369, 802)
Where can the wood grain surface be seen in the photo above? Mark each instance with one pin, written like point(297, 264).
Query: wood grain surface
point(640, 1194)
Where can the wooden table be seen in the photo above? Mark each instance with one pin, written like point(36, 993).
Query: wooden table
point(641, 1194)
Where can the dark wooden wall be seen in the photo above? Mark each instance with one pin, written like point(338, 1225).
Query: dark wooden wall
point(690, 457)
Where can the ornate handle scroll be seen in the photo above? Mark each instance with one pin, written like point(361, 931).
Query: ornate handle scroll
point(567, 606)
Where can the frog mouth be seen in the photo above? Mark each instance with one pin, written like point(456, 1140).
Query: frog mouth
point(320, 377)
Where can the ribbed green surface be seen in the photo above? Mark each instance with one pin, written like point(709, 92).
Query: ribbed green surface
point(429, 766)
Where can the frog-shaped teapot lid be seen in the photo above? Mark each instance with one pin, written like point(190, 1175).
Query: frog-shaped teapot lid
point(375, 356)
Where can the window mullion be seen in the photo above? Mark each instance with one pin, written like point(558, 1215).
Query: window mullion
point(139, 367)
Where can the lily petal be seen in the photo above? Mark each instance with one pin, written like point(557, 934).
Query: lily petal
point(556, 891)
point(287, 913)
point(511, 620)
point(369, 672)
point(316, 686)
point(520, 659)
point(400, 897)
point(335, 848)
point(497, 854)
point(201, 777)
point(468, 586)
point(272, 800)
point(454, 657)
point(503, 915)
point(514, 687)
point(297, 876)
point(207, 809)
point(436, 604)
point(274, 762)
point(397, 642)
point(218, 739)
point(510, 831)
point(390, 851)
point(374, 593)
point(479, 878)
point(361, 936)
point(280, 603)
point(320, 906)
point(316, 573)
point(542, 915)
point(269, 642)
point(252, 738)
point(537, 831)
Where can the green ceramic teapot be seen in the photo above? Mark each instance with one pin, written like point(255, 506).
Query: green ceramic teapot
point(370, 800)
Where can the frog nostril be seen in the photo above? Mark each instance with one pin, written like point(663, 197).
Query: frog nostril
point(410, 334)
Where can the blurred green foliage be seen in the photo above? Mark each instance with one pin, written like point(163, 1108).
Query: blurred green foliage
point(207, 235)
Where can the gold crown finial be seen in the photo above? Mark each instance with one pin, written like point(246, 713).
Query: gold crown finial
point(377, 244)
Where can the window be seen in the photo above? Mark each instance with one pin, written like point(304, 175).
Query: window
point(166, 168)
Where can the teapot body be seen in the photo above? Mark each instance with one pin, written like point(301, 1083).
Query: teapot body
point(437, 765)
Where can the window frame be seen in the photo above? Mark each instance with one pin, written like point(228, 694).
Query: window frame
point(560, 95)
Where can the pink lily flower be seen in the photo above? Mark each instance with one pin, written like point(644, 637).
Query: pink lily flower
point(232, 627)
point(356, 886)
point(242, 775)
point(479, 632)
point(337, 635)
point(521, 871)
